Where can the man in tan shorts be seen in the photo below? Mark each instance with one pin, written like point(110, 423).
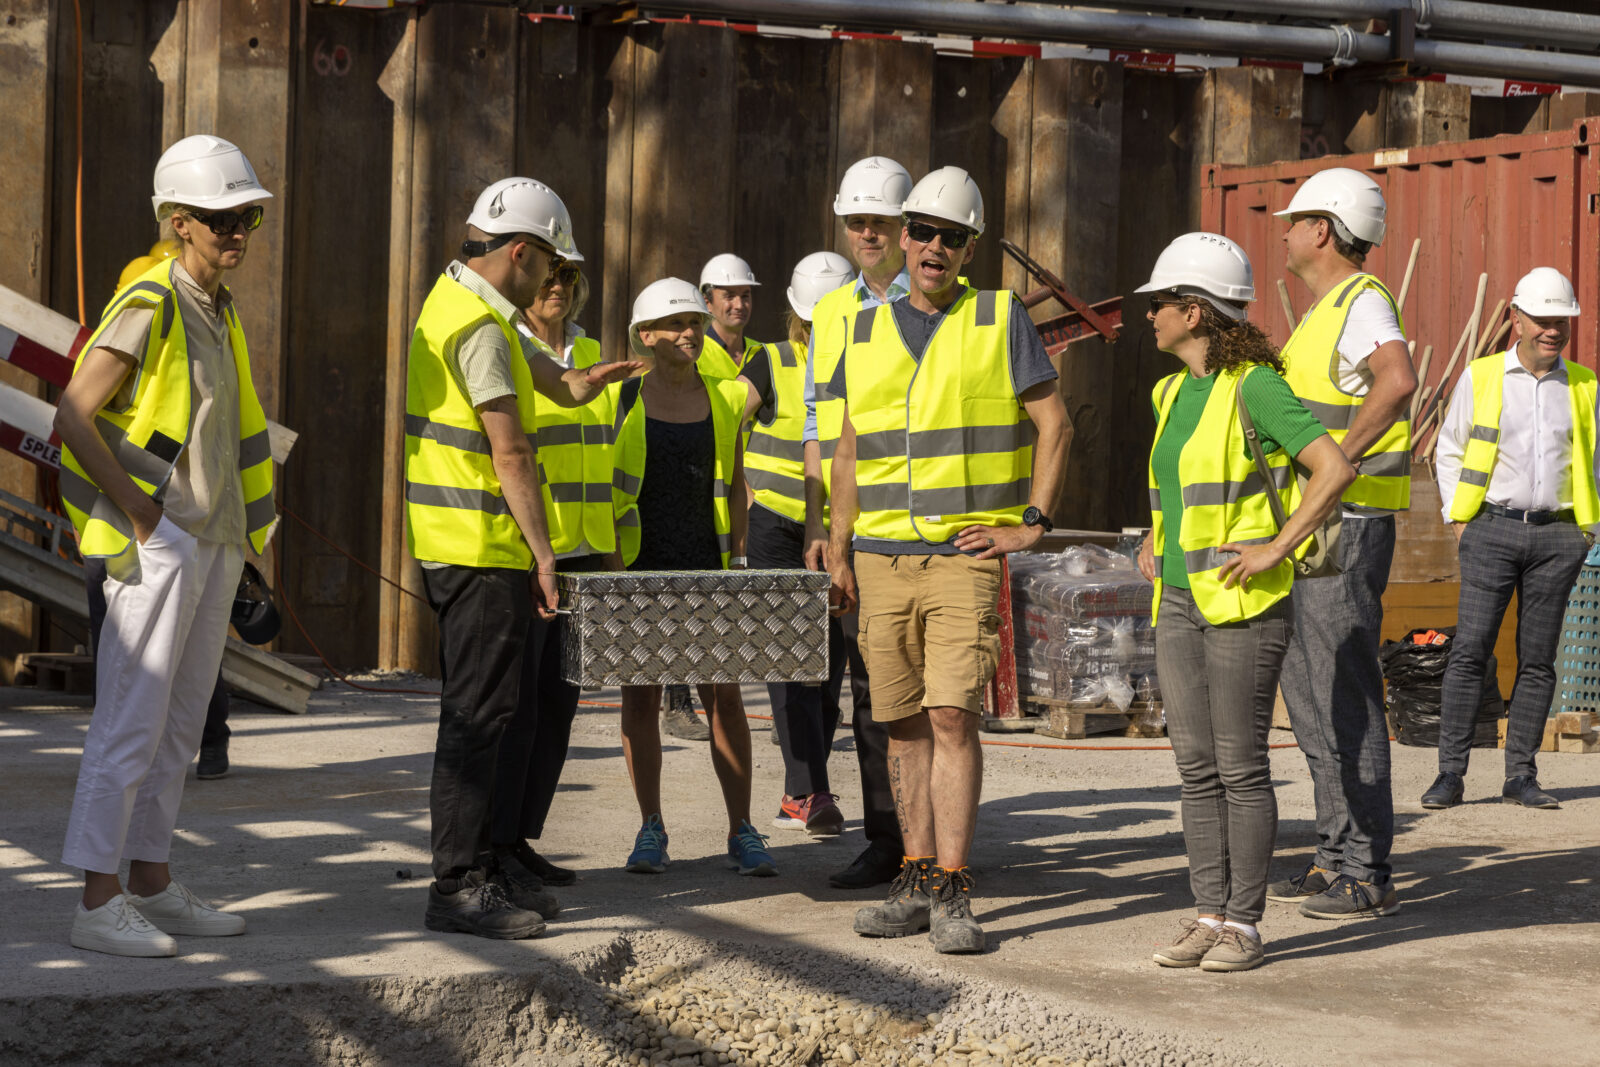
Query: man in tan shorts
point(951, 455)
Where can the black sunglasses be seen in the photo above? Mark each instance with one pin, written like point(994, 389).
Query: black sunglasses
point(924, 232)
point(225, 222)
point(566, 275)
point(1157, 302)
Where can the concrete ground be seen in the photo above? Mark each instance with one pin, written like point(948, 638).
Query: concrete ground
point(319, 837)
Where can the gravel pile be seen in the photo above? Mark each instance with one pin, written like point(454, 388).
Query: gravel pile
point(684, 1002)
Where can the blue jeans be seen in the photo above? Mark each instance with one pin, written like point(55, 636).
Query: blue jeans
point(1218, 684)
point(1333, 688)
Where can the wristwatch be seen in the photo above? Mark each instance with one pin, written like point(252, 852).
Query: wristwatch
point(1034, 517)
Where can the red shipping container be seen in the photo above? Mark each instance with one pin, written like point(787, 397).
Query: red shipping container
point(1503, 205)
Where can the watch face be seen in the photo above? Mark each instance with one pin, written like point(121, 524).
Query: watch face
point(1030, 517)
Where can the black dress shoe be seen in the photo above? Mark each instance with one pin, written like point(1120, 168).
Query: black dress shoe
point(541, 868)
point(872, 867)
point(213, 761)
point(1524, 789)
point(1445, 792)
point(478, 907)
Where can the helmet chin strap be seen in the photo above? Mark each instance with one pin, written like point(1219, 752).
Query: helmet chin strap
point(479, 249)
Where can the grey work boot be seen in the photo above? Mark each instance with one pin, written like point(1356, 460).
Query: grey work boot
point(678, 717)
point(953, 929)
point(906, 910)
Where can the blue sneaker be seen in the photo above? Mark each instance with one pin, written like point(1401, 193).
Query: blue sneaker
point(649, 855)
point(747, 850)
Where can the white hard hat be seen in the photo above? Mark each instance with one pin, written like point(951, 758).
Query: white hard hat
point(523, 205)
point(876, 185)
point(658, 300)
point(726, 270)
point(948, 193)
point(207, 172)
point(1208, 265)
point(815, 277)
point(1545, 293)
point(1350, 198)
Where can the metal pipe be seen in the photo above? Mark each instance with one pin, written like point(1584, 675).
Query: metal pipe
point(1449, 18)
point(1034, 22)
point(1333, 44)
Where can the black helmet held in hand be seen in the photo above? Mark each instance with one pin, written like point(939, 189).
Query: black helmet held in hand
point(254, 616)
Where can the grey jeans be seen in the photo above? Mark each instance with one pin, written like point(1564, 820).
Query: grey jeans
point(1333, 688)
point(1218, 683)
point(1501, 556)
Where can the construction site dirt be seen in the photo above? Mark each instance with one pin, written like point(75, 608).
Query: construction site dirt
point(319, 838)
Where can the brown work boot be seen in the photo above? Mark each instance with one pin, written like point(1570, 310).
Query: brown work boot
point(1190, 947)
point(1234, 950)
point(906, 910)
point(678, 718)
point(952, 928)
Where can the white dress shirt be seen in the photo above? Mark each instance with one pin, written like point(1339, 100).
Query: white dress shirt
point(1533, 469)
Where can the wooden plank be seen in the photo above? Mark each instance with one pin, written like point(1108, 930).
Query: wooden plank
point(1074, 196)
point(29, 180)
point(1569, 108)
point(1012, 120)
point(970, 105)
point(333, 392)
point(614, 273)
point(1424, 113)
point(1256, 114)
point(886, 104)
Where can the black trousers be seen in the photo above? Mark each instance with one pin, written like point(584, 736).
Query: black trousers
point(484, 615)
point(216, 730)
point(533, 748)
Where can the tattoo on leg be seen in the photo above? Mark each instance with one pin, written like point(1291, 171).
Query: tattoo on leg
point(894, 787)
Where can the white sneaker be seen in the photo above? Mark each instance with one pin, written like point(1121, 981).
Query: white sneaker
point(117, 927)
point(178, 911)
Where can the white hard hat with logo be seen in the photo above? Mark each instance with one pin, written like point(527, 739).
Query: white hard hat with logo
point(726, 271)
point(876, 185)
point(1208, 265)
point(1545, 293)
point(1348, 197)
point(948, 193)
point(523, 205)
point(660, 300)
point(815, 277)
point(205, 172)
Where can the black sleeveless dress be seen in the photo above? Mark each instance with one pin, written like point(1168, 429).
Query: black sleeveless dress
point(677, 526)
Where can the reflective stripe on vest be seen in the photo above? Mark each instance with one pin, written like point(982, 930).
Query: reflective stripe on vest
point(727, 399)
point(147, 437)
point(1483, 441)
point(774, 459)
point(945, 443)
point(575, 456)
point(1224, 502)
point(1311, 366)
point(456, 512)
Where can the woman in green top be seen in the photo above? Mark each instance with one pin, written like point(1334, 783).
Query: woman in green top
point(1223, 571)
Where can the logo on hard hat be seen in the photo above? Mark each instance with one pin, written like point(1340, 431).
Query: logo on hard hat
point(496, 208)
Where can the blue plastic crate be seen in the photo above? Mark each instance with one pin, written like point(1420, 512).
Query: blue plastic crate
point(1578, 662)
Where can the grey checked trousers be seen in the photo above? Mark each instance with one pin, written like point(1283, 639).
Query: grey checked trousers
point(1333, 687)
point(1501, 556)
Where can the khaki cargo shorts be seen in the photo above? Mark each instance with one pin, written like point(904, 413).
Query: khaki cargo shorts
point(930, 631)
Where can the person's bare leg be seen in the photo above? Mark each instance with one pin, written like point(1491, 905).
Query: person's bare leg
point(730, 749)
point(911, 751)
point(99, 887)
point(641, 745)
point(956, 782)
point(146, 879)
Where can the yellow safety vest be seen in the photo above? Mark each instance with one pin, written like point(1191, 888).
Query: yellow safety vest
point(456, 511)
point(716, 362)
point(943, 443)
point(148, 435)
point(628, 458)
point(1224, 502)
point(575, 462)
point(774, 457)
point(1311, 366)
point(830, 330)
point(1483, 443)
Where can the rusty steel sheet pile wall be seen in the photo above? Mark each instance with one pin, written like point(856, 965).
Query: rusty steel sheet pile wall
point(1500, 206)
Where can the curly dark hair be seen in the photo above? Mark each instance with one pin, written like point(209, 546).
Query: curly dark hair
point(1234, 343)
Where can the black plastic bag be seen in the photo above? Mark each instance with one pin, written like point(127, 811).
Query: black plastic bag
point(1414, 674)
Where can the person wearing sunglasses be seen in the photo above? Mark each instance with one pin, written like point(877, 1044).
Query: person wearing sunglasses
point(868, 203)
point(952, 446)
point(574, 449)
point(167, 477)
point(1223, 570)
point(476, 521)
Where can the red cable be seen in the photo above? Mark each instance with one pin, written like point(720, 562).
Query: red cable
point(348, 555)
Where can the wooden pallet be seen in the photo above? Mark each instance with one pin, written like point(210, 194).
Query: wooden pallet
point(1572, 731)
point(64, 672)
point(1074, 722)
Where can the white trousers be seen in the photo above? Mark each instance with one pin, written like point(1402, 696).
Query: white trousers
point(154, 672)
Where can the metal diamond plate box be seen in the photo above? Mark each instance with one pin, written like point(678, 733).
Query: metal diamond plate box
point(660, 627)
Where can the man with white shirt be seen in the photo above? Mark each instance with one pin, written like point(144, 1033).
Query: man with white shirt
point(1348, 363)
point(1516, 472)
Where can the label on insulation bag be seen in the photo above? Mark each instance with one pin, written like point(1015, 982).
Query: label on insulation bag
point(687, 627)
